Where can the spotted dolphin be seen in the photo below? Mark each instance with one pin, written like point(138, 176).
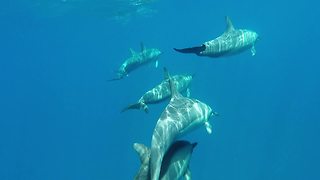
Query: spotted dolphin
point(181, 116)
point(232, 41)
point(137, 60)
point(175, 164)
point(162, 92)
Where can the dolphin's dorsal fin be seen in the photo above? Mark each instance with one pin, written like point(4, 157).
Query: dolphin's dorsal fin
point(142, 47)
point(132, 52)
point(229, 24)
point(142, 151)
point(174, 92)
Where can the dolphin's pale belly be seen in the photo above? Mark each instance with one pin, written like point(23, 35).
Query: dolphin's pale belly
point(229, 43)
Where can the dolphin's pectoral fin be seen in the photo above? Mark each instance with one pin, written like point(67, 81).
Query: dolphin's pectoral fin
point(196, 50)
point(208, 127)
point(188, 92)
point(253, 51)
point(156, 64)
point(187, 174)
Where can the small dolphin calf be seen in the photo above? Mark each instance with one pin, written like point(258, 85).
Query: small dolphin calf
point(232, 41)
point(136, 60)
point(180, 116)
point(162, 92)
point(175, 164)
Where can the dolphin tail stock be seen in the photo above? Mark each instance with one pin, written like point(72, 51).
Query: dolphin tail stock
point(139, 105)
point(196, 50)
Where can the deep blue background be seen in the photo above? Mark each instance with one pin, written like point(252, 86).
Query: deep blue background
point(60, 118)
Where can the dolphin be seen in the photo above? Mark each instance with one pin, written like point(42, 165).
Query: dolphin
point(144, 57)
point(162, 92)
point(181, 116)
point(232, 41)
point(175, 164)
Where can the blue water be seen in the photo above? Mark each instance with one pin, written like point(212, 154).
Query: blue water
point(60, 118)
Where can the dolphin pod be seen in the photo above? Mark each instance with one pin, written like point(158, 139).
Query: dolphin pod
point(137, 59)
point(175, 164)
point(161, 92)
point(168, 158)
point(232, 41)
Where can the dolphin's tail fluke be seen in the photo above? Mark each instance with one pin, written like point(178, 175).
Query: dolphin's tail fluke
point(196, 50)
point(139, 105)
